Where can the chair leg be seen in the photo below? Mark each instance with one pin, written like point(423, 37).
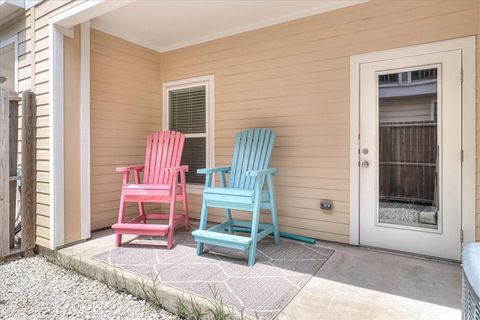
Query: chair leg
point(203, 225)
point(121, 219)
point(170, 238)
point(171, 222)
point(141, 210)
point(228, 212)
point(228, 215)
point(118, 240)
point(273, 209)
point(276, 231)
point(186, 212)
point(186, 215)
point(254, 234)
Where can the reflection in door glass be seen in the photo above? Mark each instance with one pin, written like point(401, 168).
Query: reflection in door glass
point(408, 155)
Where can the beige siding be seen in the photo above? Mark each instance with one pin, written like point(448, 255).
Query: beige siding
point(294, 78)
point(126, 106)
point(36, 52)
point(407, 109)
point(33, 74)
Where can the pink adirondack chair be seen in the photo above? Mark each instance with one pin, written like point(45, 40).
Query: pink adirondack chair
point(160, 185)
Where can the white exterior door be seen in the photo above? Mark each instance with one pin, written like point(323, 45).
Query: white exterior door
point(410, 154)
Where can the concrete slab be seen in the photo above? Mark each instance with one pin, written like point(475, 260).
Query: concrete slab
point(360, 283)
point(355, 283)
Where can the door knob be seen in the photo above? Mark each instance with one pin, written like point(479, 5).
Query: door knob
point(364, 164)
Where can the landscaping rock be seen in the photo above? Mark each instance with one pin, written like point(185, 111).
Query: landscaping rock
point(33, 288)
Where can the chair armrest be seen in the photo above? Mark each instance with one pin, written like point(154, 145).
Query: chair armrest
point(256, 173)
point(183, 168)
point(130, 168)
point(212, 170)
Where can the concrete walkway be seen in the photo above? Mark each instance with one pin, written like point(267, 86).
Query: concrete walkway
point(359, 283)
point(355, 283)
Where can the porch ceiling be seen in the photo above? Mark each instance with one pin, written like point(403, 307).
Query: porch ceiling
point(168, 25)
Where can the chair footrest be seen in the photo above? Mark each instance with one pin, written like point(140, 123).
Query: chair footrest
point(141, 229)
point(222, 239)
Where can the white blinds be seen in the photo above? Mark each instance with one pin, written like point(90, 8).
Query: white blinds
point(187, 114)
point(188, 110)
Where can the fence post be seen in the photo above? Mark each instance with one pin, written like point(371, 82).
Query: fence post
point(29, 109)
point(4, 174)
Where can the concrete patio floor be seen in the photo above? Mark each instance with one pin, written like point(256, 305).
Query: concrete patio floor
point(355, 283)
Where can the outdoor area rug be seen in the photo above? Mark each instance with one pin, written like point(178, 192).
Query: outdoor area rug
point(222, 274)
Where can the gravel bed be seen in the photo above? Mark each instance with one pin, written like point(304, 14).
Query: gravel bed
point(33, 288)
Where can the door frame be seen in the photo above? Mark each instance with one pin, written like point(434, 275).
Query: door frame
point(467, 47)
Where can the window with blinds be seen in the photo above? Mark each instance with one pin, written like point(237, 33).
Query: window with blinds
point(187, 114)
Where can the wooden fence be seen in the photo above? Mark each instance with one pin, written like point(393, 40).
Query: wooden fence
point(408, 162)
point(9, 165)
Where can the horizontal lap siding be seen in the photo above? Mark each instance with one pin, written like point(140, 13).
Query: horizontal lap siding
point(294, 78)
point(33, 70)
point(126, 106)
point(35, 60)
point(33, 74)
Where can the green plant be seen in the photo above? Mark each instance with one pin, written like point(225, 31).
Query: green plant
point(53, 257)
point(153, 296)
point(196, 312)
point(183, 311)
point(218, 310)
point(119, 283)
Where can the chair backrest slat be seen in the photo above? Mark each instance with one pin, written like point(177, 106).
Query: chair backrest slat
point(164, 150)
point(253, 150)
point(158, 159)
point(255, 160)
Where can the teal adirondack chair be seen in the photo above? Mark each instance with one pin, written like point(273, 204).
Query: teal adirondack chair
point(245, 191)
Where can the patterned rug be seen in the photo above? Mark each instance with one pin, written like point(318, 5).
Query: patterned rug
point(222, 274)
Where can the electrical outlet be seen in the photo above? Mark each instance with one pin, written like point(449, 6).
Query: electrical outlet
point(326, 204)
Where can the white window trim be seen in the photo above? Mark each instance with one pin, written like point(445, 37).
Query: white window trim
point(209, 82)
point(467, 45)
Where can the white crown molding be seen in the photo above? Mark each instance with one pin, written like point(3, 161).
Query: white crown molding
point(330, 6)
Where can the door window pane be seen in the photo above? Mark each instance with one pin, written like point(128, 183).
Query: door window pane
point(408, 149)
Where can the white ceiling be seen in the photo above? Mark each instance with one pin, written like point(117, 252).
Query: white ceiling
point(167, 25)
